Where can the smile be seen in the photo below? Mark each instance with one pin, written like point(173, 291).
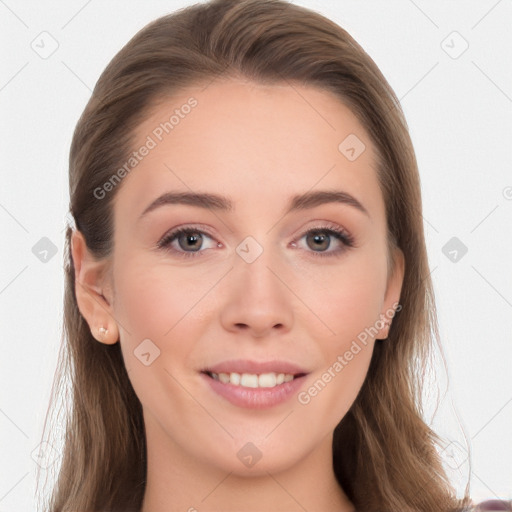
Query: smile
point(254, 391)
point(251, 380)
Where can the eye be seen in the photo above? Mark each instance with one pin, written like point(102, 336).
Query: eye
point(321, 239)
point(189, 241)
point(186, 241)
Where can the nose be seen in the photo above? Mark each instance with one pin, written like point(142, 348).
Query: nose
point(255, 300)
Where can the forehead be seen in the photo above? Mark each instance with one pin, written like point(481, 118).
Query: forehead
point(248, 141)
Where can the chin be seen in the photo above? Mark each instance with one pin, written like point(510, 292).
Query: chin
point(258, 458)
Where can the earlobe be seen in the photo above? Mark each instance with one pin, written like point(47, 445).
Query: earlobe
point(90, 284)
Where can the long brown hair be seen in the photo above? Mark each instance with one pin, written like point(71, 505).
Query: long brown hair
point(384, 453)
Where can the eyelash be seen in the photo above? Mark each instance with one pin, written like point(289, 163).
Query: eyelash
point(339, 234)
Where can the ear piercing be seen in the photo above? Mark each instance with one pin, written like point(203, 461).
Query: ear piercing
point(386, 321)
point(102, 331)
point(387, 324)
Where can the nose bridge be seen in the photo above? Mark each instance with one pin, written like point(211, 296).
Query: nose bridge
point(256, 279)
point(255, 297)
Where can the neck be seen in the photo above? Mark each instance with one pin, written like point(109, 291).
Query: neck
point(176, 481)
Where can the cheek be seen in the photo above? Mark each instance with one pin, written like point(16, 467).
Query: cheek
point(347, 297)
point(154, 299)
point(349, 304)
point(331, 392)
point(156, 302)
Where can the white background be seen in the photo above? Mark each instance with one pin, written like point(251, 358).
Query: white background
point(460, 115)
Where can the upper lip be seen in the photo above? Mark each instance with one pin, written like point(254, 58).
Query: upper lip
point(255, 367)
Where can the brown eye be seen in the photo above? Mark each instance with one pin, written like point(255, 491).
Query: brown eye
point(187, 241)
point(318, 240)
point(190, 240)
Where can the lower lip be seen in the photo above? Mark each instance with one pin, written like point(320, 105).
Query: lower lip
point(255, 398)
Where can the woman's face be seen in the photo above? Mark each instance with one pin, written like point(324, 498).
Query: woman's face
point(245, 289)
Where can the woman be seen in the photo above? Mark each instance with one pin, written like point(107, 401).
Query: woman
point(248, 307)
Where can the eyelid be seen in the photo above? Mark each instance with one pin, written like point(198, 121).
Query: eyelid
point(324, 225)
point(200, 228)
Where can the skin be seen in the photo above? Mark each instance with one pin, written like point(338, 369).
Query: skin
point(258, 145)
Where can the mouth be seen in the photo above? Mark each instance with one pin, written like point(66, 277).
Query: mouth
point(253, 380)
point(255, 385)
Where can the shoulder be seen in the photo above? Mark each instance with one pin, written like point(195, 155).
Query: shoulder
point(493, 506)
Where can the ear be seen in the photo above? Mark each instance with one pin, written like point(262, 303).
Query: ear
point(93, 291)
point(392, 295)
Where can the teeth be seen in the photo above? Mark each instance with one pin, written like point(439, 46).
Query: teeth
point(224, 377)
point(251, 380)
point(267, 380)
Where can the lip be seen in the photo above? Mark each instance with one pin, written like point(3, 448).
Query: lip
point(248, 366)
point(255, 398)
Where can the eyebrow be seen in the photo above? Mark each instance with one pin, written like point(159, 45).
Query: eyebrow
point(221, 203)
